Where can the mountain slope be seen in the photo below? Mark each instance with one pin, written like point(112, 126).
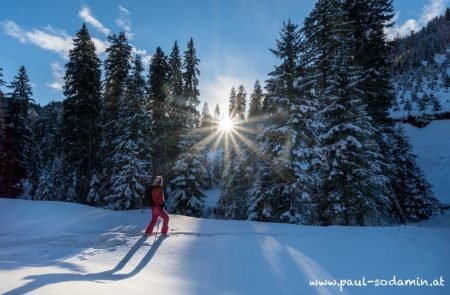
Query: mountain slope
point(421, 72)
point(62, 248)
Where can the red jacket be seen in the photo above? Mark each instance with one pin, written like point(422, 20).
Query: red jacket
point(158, 195)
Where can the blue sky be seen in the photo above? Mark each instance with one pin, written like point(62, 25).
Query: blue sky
point(232, 37)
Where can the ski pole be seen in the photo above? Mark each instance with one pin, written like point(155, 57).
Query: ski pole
point(157, 228)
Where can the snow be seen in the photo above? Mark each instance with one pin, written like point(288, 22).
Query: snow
point(440, 58)
point(63, 248)
point(212, 197)
point(431, 145)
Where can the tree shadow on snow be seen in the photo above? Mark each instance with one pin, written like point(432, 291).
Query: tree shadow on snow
point(20, 251)
point(38, 281)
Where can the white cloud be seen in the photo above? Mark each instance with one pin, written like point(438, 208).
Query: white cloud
point(12, 29)
point(60, 44)
point(409, 26)
point(51, 39)
point(431, 10)
point(58, 77)
point(124, 10)
point(124, 21)
point(146, 58)
point(86, 15)
point(100, 46)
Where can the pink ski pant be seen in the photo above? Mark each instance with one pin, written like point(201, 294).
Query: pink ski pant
point(158, 212)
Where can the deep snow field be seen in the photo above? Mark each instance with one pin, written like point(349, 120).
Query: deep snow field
point(63, 248)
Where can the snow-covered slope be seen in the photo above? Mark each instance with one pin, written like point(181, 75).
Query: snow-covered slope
point(61, 248)
point(431, 144)
point(421, 71)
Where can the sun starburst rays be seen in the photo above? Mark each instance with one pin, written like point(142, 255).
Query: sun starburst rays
point(236, 135)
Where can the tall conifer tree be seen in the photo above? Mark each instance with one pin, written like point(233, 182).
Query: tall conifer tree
point(256, 100)
point(131, 158)
point(176, 101)
point(117, 66)
point(237, 170)
point(353, 187)
point(80, 130)
point(157, 89)
point(190, 80)
point(19, 143)
point(277, 196)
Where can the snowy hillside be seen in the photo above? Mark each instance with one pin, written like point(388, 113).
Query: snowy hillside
point(63, 248)
point(421, 70)
point(431, 145)
point(424, 90)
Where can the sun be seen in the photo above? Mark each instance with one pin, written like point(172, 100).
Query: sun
point(226, 124)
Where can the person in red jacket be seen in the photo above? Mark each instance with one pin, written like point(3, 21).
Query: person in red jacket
point(157, 207)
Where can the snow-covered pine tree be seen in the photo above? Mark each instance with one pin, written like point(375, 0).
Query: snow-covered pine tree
point(157, 80)
point(81, 114)
point(50, 147)
point(217, 166)
point(117, 66)
point(2, 140)
point(370, 19)
point(232, 103)
point(206, 122)
point(190, 83)
point(176, 102)
point(2, 130)
point(408, 106)
point(217, 161)
point(217, 114)
point(423, 102)
point(413, 192)
point(237, 171)
point(254, 126)
point(189, 173)
point(131, 158)
point(19, 135)
point(35, 163)
point(278, 198)
point(437, 107)
point(235, 181)
point(256, 100)
point(54, 184)
point(189, 177)
point(4, 146)
point(19, 125)
point(353, 187)
point(216, 117)
point(48, 132)
point(241, 104)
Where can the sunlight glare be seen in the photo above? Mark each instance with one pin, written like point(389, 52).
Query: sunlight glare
point(226, 124)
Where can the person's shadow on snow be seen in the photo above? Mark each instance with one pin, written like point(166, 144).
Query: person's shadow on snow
point(37, 281)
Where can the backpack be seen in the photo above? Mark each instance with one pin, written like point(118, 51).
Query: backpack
point(147, 199)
